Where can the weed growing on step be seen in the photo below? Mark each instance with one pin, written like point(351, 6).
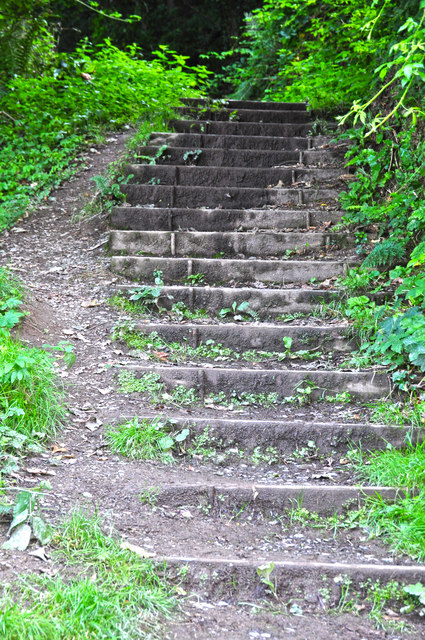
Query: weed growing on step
point(178, 312)
point(238, 312)
point(116, 593)
point(145, 439)
point(400, 523)
point(157, 348)
point(397, 413)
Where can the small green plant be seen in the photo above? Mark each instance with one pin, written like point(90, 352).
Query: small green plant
point(195, 278)
point(264, 572)
point(302, 393)
point(191, 157)
point(239, 312)
point(148, 296)
point(27, 518)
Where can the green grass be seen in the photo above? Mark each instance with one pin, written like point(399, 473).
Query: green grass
point(402, 523)
point(141, 439)
point(114, 593)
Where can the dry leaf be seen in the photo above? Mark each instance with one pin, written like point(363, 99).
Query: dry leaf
point(143, 553)
point(40, 472)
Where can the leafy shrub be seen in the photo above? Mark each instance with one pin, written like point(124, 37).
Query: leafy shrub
point(45, 120)
point(321, 50)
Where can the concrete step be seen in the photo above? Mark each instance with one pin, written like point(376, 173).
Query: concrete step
point(268, 303)
point(361, 385)
point(213, 244)
point(270, 272)
point(247, 104)
point(227, 197)
point(217, 577)
point(243, 128)
point(268, 143)
point(232, 176)
point(282, 116)
point(271, 499)
point(287, 436)
point(241, 157)
point(266, 337)
point(172, 219)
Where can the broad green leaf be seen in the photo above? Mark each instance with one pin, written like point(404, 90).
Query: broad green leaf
point(19, 539)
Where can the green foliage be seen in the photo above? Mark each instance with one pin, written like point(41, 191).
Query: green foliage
point(30, 401)
point(27, 519)
point(45, 120)
point(321, 50)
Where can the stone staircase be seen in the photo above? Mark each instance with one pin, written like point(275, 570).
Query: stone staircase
point(247, 196)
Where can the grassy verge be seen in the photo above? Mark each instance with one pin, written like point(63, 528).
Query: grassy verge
point(114, 593)
point(31, 402)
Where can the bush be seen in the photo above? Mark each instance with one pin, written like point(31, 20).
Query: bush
point(45, 120)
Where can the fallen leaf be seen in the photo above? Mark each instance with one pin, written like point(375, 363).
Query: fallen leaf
point(39, 553)
point(143, 553)
point(161, 355)
point(40, 472)
point(58, 448)
point(90, 303)
point(185, 513)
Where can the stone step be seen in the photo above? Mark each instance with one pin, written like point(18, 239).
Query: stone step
point(241, 157)
point(268, 303)
point(281, 116)
point(172, 219)
point(226, 197)
point(247, 104)
point(243, 128)
point(287, 436)
point(272, 499)
point(213, 244)
point(361, 385)
point(270, 272)
point(181, 175)
point(268, 143)
point(217, 577)
point(266, 337)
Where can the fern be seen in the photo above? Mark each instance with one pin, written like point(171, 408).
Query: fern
point(386, 252)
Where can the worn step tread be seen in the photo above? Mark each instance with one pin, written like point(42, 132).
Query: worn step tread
point(252, 177)
point(224, 270)
point(244, 337)
point(286, 436)
point(241, 157)
point(321, 499)
point(174, 219)
point(283, 116)
point(287, 568)
point(210, 244)
point(227, 141)
point(243, 128)
point(228, 197)
point(249, 104)
point(205, 380)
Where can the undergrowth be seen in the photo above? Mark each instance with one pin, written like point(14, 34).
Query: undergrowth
point(113, 592)
point(45, 120)
point(31, 401)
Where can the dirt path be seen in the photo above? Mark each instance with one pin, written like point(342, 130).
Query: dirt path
point(66, 271)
